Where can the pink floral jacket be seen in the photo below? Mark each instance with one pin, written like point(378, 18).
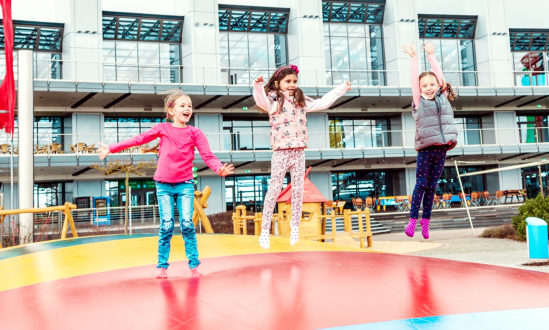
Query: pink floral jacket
point(289, 126)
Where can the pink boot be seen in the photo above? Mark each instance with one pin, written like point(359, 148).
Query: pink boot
point(411, 228)
point(425, 227)
point(161, 273)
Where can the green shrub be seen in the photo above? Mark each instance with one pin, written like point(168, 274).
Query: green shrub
point(534, 207)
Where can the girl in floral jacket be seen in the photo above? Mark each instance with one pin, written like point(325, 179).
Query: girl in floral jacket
point(287, 107)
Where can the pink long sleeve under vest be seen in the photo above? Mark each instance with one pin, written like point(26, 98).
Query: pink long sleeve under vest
point(176, 153)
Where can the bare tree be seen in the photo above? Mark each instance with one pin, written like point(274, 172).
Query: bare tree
point(115, 167)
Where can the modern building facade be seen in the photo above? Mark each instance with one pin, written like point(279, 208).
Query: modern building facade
point(101, 66)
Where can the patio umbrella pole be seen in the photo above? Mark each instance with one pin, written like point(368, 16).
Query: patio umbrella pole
point(464, 196)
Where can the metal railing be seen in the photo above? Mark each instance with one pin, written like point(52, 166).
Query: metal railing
point(86, 144)
point(89, 71)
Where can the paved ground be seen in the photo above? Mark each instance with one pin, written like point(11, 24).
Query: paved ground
point(459, 245)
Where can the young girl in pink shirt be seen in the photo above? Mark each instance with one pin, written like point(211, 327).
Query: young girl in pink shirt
point(287, 107)
point(174, 176)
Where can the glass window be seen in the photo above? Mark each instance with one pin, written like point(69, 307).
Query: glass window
point(449, 184)
point(352, 12)
point(530, 178)
point(48, 194)
point(363, 184)
point(247, 133)
point(468, 130)
point(455, 56)
point(129, 26)
point(48, 130)
point(249, 191)
point(349, 132)
point(533, 129)
point(354, 55)
point(242, 51)
point(529, 68)
point(141, 61)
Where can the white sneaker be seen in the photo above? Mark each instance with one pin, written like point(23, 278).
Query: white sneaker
point(294, 236)
point(264, 239)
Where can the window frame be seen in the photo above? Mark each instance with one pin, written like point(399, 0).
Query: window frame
point(442, 18)
point(36, 38)
point(228, 9)
point(327, 14)
point(139, 18)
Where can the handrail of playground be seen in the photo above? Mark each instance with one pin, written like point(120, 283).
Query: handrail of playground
point(66, 209)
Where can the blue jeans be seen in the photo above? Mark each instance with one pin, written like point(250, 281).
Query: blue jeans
point(183, 195)
point(430, 164)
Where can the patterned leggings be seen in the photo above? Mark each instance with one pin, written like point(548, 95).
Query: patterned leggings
point(430, 164)
point(281, 161)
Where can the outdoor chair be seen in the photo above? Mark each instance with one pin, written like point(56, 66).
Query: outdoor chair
point(475, 199)
point(446, 201)
point(436, 202)
point(401, 205)
point(463, 199)
point(358, 204)
point(487, 198)
point(499, 198)
point(81, 147)
point(409, 203)
point(370, 205)
point(5, 148)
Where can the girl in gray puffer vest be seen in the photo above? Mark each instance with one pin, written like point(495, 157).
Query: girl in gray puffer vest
point(436, 133)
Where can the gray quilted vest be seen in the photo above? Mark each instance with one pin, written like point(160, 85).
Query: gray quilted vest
point(434, 122)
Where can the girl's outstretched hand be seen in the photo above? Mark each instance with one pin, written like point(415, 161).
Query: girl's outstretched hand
point(429, 47)
point(259, 80)
point(349, 85)
point(104, 151)
point(226, 170)
point(410, 50)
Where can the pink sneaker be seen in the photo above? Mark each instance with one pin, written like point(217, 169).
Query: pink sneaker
point(425, 227)
point(195, 272)
point(161, 273)
point(411, 228)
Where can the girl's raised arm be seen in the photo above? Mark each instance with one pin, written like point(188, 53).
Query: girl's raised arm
point(142, 138)
point(435, 66)
point(414, 75)
point(327, 100)
point(260, 97)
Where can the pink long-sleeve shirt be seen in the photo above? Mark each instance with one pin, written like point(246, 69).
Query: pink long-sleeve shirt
point(176, 153)
point(414, 75)
point(289, 124)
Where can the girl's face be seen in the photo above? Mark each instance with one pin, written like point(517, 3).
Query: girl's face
point(181, 110)
point(288, 83)
point(429, 86)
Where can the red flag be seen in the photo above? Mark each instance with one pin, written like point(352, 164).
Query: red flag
point(7, 90)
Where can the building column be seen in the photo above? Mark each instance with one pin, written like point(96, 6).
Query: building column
point(306, 40)
point(25, 118)
point(200, 42)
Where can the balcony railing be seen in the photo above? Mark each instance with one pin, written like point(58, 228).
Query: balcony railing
point(86, 144)
point(79, 71)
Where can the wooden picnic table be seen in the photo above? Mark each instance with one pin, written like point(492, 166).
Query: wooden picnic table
point(510, 193)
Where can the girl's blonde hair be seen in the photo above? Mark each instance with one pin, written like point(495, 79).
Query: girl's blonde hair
point(171, 96)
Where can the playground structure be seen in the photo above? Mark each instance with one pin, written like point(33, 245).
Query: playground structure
point(66, 209)
point(314, 217)
point(200, 203)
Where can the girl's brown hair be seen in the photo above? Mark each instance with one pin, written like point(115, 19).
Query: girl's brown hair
point(445, 85)
point(171, 96)
point(271, 86)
